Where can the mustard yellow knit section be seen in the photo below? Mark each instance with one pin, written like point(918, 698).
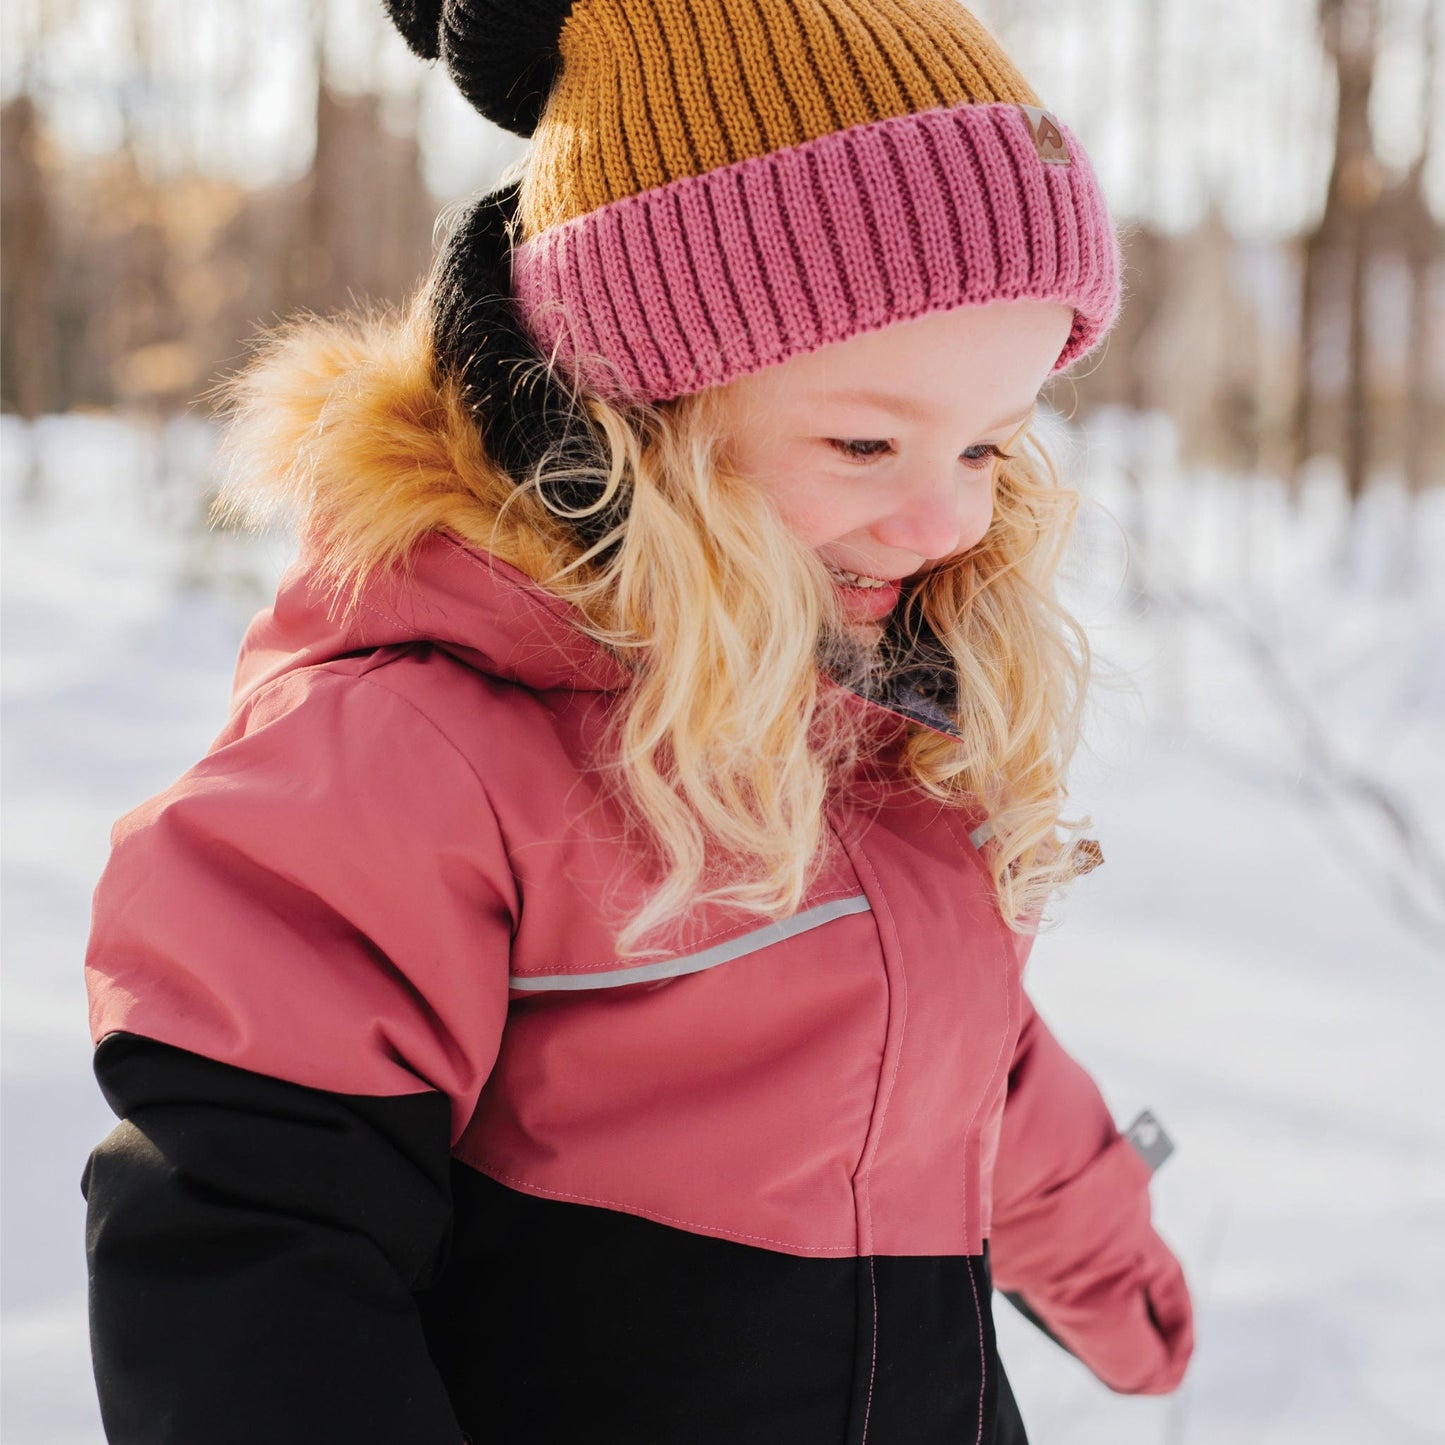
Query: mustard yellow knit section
point(653, 90)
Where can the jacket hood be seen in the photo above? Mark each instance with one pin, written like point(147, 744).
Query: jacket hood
point(340, 424)
point(471, 604)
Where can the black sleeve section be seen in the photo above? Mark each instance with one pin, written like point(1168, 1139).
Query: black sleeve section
point(253, 1247)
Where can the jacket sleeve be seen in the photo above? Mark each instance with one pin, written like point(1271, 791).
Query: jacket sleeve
point(298, 979)
point(1072, 1233)
point(253, 1246)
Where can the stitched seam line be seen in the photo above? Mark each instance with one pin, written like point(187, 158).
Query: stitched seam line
point(982, 1351)
point(873, 1359)
point(330, 669)
point(545, 601)
point(466, 762)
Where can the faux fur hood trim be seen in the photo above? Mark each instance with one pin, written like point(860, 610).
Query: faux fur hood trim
point(407, 531)
point(339, 425)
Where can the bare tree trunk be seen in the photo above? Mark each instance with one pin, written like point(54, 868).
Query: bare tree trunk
point(1420, 250)
point(308, 268)
point(27, 242)
point(1305, 430)
point(1337, 252)
point(1357, 399)
point(1145, 22)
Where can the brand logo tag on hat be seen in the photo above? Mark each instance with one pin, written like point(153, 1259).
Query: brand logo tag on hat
point(1048, 138)
point(1147, 1136)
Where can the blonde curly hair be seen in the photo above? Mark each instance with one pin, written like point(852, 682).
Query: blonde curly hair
point(730, 741)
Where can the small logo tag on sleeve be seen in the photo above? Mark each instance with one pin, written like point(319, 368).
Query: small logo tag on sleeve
point(1147, 1136)
point(1048, 137)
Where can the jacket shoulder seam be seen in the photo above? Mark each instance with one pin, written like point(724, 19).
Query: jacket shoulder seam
point(330, 670)
point(435, 726)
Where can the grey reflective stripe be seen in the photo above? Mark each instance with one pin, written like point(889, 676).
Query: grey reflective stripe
point(695, 962)
point(981, 834)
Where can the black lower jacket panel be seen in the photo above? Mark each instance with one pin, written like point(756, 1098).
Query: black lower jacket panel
point(556, 1321)
point(270, 1262)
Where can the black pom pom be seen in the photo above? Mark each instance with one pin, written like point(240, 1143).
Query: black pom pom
point(524, 415)
point(420, 23)
point(504, 56)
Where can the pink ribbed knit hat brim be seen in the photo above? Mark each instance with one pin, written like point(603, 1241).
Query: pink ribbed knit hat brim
point(713, 276)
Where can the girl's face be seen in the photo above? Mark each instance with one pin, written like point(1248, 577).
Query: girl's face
point(880, 451)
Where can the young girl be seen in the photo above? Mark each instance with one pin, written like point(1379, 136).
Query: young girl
point(578, 996)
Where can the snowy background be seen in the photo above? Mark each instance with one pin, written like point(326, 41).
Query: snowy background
point(1261, 961)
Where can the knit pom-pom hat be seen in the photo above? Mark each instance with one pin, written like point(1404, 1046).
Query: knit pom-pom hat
point(715, 186)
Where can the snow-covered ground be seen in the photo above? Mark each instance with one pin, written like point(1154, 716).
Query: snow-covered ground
point(1261, 961)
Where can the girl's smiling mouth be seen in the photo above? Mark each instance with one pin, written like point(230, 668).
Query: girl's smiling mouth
point(865, 596)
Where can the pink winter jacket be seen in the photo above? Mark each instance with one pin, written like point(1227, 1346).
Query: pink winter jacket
point(395, 877)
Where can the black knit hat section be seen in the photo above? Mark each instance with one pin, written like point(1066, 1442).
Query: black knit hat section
point(504, 57)
point(523, 414)
point(420, 23)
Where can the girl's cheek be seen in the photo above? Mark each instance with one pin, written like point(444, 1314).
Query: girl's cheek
point(816, 515)
point(817, 510)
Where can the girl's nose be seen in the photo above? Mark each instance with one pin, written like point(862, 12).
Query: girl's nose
point(930, 516)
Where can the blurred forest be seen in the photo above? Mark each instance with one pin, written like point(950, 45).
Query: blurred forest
point(175, 176)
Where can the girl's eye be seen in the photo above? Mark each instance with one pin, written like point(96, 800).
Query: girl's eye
point(860, 451)
point(865, 450)
point(989, 453)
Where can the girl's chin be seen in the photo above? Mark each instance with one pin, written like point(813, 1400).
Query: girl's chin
point(865, 631)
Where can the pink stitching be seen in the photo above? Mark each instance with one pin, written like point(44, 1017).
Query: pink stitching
point(873, 1361)
point(527, 588)
point(706, 938)
point(982, 1350)
point(534, 595)
point(391, 621)
point(838, 1249)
